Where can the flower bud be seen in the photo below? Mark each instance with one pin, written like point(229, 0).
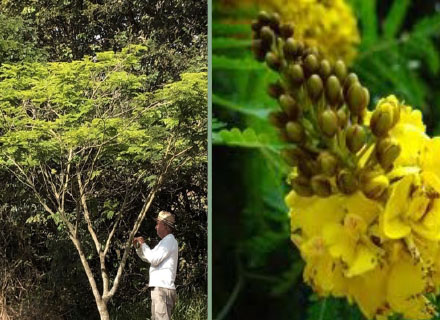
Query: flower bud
point(357, 99)
point(293, 156)
point(295, 131)
point(375, 186)
point(286, 30)
point(340, 70)
point(278, 119)
point(275, 90)
point(302, 187)
point(382, 119)
point(387, 151)
point(328, 121)
point(256, 26)
point(327, 163)
point(314, 87)
point(267, 35)
point(342, 118)
point(325, 69)
point(274, 21)
point(333, 90)
point(347, 182)
point(351, 79)
point(311, 64)
point(289, 105)
point(295, 73)
point(263, 17)
point(355, 138)
point(273, 61)
point(258, 50)
point(291, 49)
point(321, 185)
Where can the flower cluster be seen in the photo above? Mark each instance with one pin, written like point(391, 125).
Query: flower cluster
point(365, 199)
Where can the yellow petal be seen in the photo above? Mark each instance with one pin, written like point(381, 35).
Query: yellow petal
point(365, 260)
point(394, 221)
point(339, 242)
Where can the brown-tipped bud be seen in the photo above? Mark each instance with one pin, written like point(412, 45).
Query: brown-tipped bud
point(273, 61)
point(301, 185)
point(295, 131)
point(295, 74)
point(333, 90)
point(289, 105)
point(387, 151)
point(256, 26)
point(274, 22)
point(275, 90)
point(367, 97)
point(340, 70)
point(278, 119)
point(259, 50)
point(325, 69)
point(355, 138)
point(374, 187)
point(328, 163)
point(347, 182)
point(311, 64)
point(342, 118)
point(291, 49)
point(267, 36)
point(351, 79)
point(356, 99)
point(293, 156)
point(321, 185)
point(382, 120)
point(263, 18)
point(315, 87)
point(328, 121)
point(286, 30)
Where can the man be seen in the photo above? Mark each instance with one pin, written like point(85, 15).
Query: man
point(163, 260)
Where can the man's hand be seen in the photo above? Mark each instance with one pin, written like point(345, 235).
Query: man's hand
point(137, 242)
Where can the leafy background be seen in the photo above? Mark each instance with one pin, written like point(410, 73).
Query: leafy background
point(257, 272)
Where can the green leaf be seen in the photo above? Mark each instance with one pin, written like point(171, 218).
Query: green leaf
point(395, 18)
point(246, 110)
point(366, 11)
point(246, 64)
point(246, 139)
point(231, 43)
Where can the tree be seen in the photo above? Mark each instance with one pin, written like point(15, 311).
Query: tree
point(88, 140)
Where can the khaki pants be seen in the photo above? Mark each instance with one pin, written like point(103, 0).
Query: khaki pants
point(162, 303)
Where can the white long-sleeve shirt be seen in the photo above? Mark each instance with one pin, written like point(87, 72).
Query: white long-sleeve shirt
point(163, 259)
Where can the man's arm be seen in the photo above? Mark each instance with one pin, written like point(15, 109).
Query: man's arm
point(158, 254)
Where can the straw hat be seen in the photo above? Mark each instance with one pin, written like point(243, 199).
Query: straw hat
point(166, 217)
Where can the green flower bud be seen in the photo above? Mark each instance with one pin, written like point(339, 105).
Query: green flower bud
point(258, 50)
point(374, 187)
point(333, 90)
point(311, 64)
point(289, 105)
point(295, 73)
point(295, 131)
point(350, 80)
point(286, 30)
point(267, 35)
point(293, 156)
point(256, 26)
point(355, 138)
point(382, 120)
point(291, 49)
point(273, 61)
point(274, 22)
point(315, 87)
point(275, 90)
point(356, 99)
point(327, 163)
point(325, 69)
point(347, 182)
point(387, 151)
point(367, 97)
point(278, 119)
point(263, 18)
point(342, 118)
point(328, 121)
point(321, 185)
point(340, 70)
point(301, 185)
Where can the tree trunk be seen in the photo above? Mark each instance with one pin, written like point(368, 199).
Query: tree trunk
point(102, 309)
